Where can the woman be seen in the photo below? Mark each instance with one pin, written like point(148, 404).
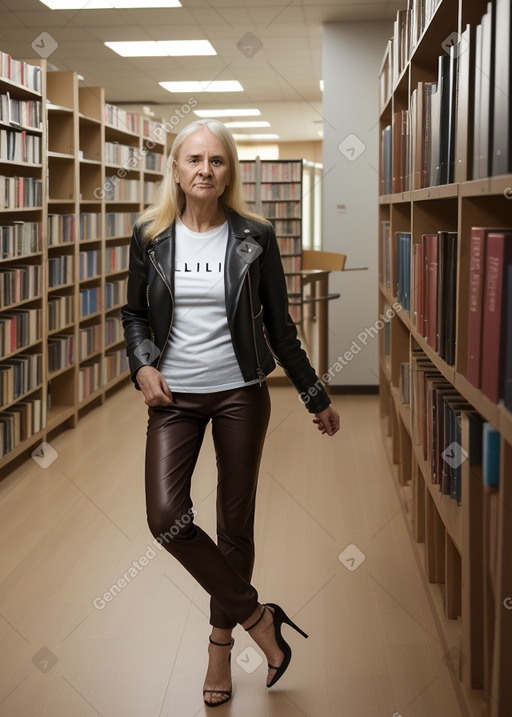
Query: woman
point(205, 278)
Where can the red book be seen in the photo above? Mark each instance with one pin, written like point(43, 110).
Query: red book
point(430, 242)
point(497, 256)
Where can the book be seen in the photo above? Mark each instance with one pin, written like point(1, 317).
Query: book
point(446, 295)
point(430, 255)
point(464, 129)
point(502, 115)
point(498, 257)
point(507, 391)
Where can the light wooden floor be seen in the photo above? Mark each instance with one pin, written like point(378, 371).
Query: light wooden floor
point(68, 532)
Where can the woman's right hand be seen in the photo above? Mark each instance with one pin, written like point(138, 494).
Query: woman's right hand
point(154, 387)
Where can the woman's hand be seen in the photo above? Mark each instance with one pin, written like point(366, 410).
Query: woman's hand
point(154, 386)
point(327, 421)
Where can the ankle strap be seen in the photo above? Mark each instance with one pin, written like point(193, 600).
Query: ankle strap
point(223, 644)
point(263, 608)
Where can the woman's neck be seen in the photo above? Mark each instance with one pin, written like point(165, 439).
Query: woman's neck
point(203, 218)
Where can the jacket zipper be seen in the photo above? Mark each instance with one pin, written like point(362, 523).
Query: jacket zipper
point(259, 371)
point(162, 276)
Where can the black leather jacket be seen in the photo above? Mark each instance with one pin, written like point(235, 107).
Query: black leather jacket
point(256, 304)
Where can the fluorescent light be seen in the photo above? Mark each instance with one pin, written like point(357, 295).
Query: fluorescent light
point(321, 85)
point(227, 113)
point(176, 48)
point(107, 4)
point(137, 49)
point(248, 125)
point(162, 48)
point(203, 86)
point(242, 137)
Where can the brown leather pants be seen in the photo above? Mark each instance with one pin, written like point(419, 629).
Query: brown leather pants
point(174, 437)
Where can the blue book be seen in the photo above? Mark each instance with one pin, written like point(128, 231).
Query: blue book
point(491, 455)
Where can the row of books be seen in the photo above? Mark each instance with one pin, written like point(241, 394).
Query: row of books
point(248, 172)
point(90, 301)
point(116, 153)
point(402, 269)
point(152, 129)
point(19, 283)
point(60, 311)
point(438, 413)
point(291, 263)
point(60, 352)
point(116, 258)
point(122, 190)
point(408, 28)
point(119, 224)
point(113, 330)
point(20, 72)
point(434, 307)
point(281, 210)
point(281, 191)
point(27, 113)
point(89, 264)
point(19, 239)
point(61, 229)
point(150, 192)
point(60, 270)
point(116, 363)
point(115, 293)
point(287, 226)
point(154, 162)
point(289, 245)
point(22, 421)
point(488, 51)
point(121, 119)
point(489, 365)
point(281, 171)
point(88, 379)
point(18, 329)
point(90, 225)
point(20, 375)
point(89, 341)
point(19, 146)
point(19, 192)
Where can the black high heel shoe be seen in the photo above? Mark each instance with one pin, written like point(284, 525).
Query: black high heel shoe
point(279, 617)
point(226, 693)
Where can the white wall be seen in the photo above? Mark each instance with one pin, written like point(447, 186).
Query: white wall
point(352, 55)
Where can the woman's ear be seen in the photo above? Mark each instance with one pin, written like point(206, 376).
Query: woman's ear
point(175, 171)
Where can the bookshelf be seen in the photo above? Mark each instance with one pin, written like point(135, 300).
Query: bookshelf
point(445, 172)
point(65, 241)
point(286, 193)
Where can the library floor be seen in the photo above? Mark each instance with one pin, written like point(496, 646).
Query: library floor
point(71, 530)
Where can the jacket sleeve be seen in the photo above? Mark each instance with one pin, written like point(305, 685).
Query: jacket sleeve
point(282, 332)
point(135, 313)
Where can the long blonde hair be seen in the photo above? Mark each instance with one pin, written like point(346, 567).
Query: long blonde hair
point(170, 199)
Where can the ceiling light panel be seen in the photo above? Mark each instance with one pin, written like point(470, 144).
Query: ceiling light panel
point(228, 113)
point(162, 48)
point(203, 86)
point(247, 125)
point(107, 4)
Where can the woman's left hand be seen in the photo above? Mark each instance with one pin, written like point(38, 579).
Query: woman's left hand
point(327, 421)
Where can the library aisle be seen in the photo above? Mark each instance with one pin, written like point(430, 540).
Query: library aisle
point(71, 645)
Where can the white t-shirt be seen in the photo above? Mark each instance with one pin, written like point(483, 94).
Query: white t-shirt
point(199, 356)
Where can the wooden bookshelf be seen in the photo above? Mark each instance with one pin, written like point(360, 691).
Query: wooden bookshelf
point(468, 589)
point(287, 193)
point(99, 166)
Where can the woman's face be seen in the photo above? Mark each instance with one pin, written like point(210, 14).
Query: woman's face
point(202, 168)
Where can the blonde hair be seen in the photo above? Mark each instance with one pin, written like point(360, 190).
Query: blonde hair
point(170, 200)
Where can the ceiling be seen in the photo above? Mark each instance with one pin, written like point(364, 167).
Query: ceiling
point(273, 48)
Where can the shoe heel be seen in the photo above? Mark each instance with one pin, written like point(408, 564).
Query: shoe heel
point(281, 617)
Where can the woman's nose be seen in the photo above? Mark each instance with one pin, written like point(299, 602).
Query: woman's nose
point(205, 167)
